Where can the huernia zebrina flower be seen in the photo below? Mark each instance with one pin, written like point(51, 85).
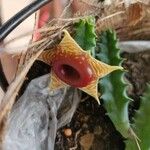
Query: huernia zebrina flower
point(72, 66)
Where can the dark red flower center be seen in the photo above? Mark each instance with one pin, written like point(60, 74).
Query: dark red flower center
point(73, 69)
point(69, 72)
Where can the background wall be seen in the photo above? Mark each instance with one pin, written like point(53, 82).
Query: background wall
point(8, 9)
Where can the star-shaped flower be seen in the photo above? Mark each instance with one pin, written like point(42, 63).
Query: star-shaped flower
point(72, 66)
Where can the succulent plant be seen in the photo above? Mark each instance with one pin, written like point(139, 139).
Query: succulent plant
point(141, 125)
point(113, 86)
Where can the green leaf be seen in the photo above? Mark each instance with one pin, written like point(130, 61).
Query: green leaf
point(141, 124)
point(112, 86)
point(85, 34)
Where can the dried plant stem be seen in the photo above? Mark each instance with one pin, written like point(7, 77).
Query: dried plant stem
point(66, 8)
point(112, 15)
point(8, 100)
point(137, 140)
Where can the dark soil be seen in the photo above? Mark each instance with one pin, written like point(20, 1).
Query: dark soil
point(90, 125)
point(91, 129)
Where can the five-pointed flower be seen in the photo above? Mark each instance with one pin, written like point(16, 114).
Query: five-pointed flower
point(72, 66)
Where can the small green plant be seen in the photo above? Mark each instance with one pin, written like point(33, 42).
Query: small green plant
point(141, 125)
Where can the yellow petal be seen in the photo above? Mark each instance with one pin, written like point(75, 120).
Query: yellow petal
point(46, 56)
point(55, 82)
point(101, 69)
point(92, 90)
point(68, 44)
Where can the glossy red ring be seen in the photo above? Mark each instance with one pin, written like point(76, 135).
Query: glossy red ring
point(73, 69)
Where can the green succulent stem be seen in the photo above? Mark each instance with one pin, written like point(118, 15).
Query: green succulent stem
point(141, 125)
point(112, 86)
point(85, 34)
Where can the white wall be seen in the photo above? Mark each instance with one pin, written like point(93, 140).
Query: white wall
point(9, 8)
